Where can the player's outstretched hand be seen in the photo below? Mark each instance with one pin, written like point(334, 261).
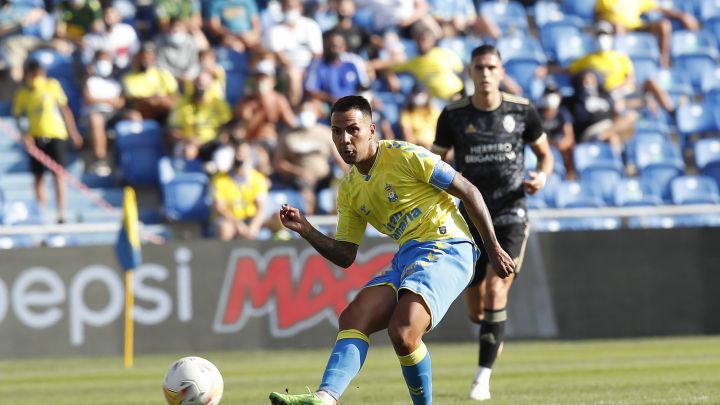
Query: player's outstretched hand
point(502, 262)
point(293, 220)
point(534, 182)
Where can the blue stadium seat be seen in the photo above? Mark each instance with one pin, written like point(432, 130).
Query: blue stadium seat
point(549, 193)
point(522, 55)
point(56, 64)
point(711, 81)
point(571, 47)
point(638, 45)
point(552, 32)
point(573, 194)
point(694, 120)
point(326, 200)
point(677, 84)
point(695, 67)
point(595, 156)
point(509, 15)
point(712, 27)
point(186, 197)
point(392, 104)
point(601, 182)
point(364, 18)
point(14, 161)
point(654, 126)
point(707, 157)
point(546, 11)
point(641, 140)
point(139, 147)
point(645, 69)
point(630, 192)
point(584, 9)
point(658, 163)
point(695, 53)
point(6, 108)
point(278, 197)
point(696, 189)
point(709, 9)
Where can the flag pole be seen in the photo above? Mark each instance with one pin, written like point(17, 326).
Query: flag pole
point(129, 321)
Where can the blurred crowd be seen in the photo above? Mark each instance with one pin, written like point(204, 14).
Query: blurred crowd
point(243, 87)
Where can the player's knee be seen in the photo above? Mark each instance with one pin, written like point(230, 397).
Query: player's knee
point(349, 318)
point(475, 317)
point(403, 338)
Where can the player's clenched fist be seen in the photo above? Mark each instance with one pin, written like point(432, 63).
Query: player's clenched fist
point(293, 220)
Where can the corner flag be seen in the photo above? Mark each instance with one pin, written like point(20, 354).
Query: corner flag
point(128, 242)
point(129, 257)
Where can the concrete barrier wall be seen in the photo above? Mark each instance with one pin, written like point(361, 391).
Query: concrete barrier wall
point(208, 295)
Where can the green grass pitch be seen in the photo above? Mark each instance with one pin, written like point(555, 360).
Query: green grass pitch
point(639, 371)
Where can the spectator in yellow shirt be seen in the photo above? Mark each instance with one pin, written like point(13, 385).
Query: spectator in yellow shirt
point(418, 119)
point(239, 198)
point(42, 101)
point(625, 15)
point(196, 122)
point(150, 92)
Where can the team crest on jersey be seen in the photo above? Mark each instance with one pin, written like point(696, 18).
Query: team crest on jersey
point(391, 194)
point(508, 123)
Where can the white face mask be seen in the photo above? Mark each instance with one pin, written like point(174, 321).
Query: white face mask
point(307, 119)
point(177, 38)
point(420, 99)
point(605, 42)
point(103, 68)
point(552, 101)
point(266, 66)
point(291, 16)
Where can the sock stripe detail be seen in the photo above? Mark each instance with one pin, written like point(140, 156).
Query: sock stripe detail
point(352, 334)
point(495, 316)
point(415, 357)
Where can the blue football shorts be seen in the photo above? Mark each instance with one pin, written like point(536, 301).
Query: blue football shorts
point(438, 271)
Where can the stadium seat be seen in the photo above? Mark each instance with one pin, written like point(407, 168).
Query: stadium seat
point(686, 42)
point(694, 120)
point(530, 161)
point(6, 108)
point(694, 190)
point(601, 182)
point(595, 156)
point(522, 55)
point(677, 84)
point(695, 67)
point(638, 45)
point(584, 9)
point(186, 197)
point(546, 11)
point(711, 81)
point(509, 15)
point(14, 161)
point(278, 197)
point(630, 192)
point(552, 32)
point(571, 47)
point(641, 140)
point(709, 9)
point(659, 161)
point(573, 194)
point(652, 126)
point(707, 158)
point(326, 200)
point(139, 147)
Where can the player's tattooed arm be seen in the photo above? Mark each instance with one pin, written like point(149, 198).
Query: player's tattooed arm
point(477, 209)
point(339, 252)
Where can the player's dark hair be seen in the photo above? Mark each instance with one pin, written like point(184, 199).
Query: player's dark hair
point(348, 103)
point(485, 49)
point(33, 66)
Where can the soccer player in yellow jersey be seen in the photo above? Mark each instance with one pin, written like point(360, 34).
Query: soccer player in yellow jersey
point(42, 101)
point(405, 192)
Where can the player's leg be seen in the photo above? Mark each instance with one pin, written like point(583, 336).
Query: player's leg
point(410, 320)
point(369, 312)
point(494, 298)
point(434, 274)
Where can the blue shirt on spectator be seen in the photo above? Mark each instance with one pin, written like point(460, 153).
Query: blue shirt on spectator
point(235, 15)
point(337, 79)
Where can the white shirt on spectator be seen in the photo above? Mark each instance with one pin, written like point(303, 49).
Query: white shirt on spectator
point(300, 42)
point(388, 13)
point(121, 43)
point(102, 88)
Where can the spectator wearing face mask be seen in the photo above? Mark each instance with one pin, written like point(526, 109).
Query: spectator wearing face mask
point(329, 78)
point(418, 119)
point(150, 92)
point(296, 41)
point(104, 102)
point(117, 38)
point(177, 52)
point(304, 156)
point(594, 117)
point(197, 121)
point(558, 125)
point(618, 74)
point(239, 197)
point(264, 109)
point(236, 23)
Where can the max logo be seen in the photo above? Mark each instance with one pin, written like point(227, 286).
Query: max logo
point(296, 290)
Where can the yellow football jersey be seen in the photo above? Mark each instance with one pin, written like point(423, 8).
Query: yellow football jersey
point(41, 106)
point(402, 196)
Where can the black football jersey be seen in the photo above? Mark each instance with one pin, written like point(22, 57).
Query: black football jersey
point(490, 150)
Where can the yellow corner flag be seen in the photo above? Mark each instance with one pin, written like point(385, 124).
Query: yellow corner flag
point(129, 256)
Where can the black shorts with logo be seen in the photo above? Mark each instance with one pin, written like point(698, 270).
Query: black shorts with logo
point(512, 238)
point(53, 147)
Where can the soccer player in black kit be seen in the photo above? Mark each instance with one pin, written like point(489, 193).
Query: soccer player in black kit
point(487, 132)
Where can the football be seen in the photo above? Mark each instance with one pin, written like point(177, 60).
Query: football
point(193, 381)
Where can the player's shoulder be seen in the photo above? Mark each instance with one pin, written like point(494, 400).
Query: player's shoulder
point(510, 98)
point(458, 104)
